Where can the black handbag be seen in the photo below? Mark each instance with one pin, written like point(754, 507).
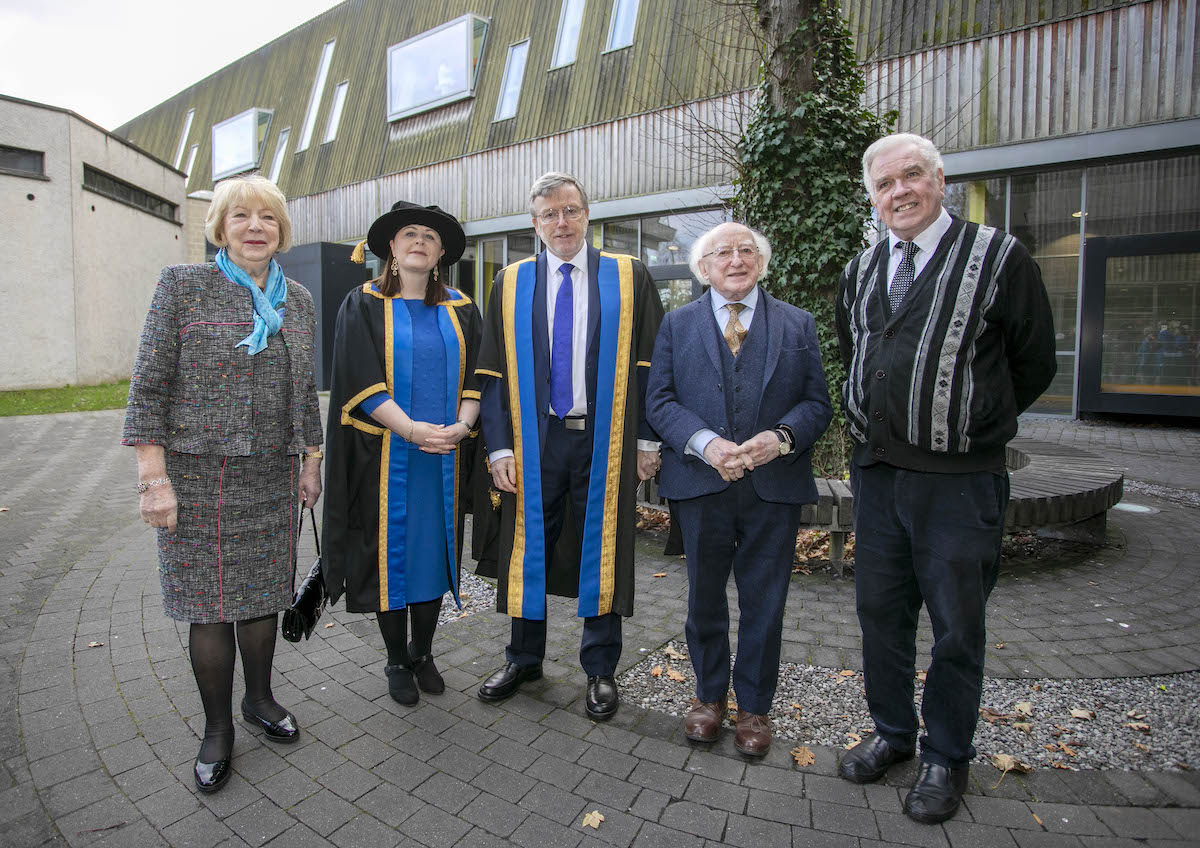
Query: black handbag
point(309, 602)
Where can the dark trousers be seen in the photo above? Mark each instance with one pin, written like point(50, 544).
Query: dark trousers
point(566, 466)
point(932, 538)
point(736, 530)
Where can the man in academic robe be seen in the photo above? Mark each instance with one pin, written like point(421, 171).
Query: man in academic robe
point(563, 367)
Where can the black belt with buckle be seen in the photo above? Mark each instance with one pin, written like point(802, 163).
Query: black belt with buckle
point(577, 422)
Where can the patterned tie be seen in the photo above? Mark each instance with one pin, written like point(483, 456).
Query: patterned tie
point(562, 397)
point(734, 331)
point(906, 272)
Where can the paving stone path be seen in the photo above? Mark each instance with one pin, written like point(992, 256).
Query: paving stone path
point(102, 718)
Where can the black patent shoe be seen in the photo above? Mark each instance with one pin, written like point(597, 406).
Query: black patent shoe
point(936, 794)
point(212, 776)
point(428, 677)
point(602, 699)
point(401, 685)
point(285, 729)
point(505, 682)
point(870, 759)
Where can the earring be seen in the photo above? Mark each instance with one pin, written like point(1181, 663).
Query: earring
point(395, 266)
point(435, 273)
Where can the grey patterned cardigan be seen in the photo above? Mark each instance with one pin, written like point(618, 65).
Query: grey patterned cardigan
point(185, 392)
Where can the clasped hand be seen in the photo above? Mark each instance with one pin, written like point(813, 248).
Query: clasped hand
point(732, 461)
point(436, 438)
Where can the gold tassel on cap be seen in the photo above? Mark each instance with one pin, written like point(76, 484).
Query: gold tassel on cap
point(359, 256)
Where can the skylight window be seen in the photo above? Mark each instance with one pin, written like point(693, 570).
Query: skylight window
point(434, 68)
point(183, 137)
point(314, 97)
point(237, 142)
point(621, 25)
point(570, 19)
point(191, 163)
point(335, 112)
point(510, 88)
point(280, 150)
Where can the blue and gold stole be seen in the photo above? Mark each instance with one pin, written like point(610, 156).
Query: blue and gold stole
point(393, 461)
point(597, 567)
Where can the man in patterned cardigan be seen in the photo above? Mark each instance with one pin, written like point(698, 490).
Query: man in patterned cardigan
point(946, 336)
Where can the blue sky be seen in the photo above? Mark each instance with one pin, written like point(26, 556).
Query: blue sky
point(111, 60)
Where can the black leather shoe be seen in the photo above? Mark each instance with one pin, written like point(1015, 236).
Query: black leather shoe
point(870, 759)
point(936, 794)
point(212, 776)
point(402, 685)
point(505, 682)
point(602, 698)
point(428, 677)
point(284, 730)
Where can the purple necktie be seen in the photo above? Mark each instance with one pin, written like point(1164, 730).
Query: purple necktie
point(562, 398)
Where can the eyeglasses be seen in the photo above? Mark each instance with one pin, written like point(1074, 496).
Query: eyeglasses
point(550, 216)
point(725, 254)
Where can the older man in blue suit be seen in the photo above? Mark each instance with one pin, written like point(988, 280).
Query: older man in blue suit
point(738, 395)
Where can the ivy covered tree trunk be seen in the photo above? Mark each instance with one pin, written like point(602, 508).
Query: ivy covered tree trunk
point(800, 179)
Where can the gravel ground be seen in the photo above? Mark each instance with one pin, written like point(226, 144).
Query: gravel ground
point(1138, 723)
point(1183, 497)
point(476, 593)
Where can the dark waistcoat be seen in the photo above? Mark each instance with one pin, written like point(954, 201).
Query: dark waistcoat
point(743, 377)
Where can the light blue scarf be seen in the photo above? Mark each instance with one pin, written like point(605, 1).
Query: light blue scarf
point(268, 304)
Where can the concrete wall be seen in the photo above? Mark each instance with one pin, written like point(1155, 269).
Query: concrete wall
point(78, 268)
point(37, 321)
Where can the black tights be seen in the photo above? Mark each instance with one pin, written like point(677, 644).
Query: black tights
point(393, 624)
point(212, 650)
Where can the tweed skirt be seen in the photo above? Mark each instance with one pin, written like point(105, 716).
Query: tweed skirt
point(233, 554)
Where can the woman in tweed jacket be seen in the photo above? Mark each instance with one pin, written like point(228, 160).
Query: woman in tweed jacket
point(227, 431)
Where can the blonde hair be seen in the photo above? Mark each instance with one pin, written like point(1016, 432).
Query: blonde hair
point(244, 191)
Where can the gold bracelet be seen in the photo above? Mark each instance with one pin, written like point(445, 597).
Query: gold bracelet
point(317, 454)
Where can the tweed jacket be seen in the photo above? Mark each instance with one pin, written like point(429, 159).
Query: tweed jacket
point(189, 390)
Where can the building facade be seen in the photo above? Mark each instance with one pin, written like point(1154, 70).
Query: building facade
point(89, 221)
point(1076, 125)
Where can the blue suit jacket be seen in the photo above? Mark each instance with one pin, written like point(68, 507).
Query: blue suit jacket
point(685, 395)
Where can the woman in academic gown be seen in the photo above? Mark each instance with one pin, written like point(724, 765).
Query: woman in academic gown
point(402, 413)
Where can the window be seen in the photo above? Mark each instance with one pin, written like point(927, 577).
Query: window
point(237, 142)
point(280, 150)
point(314, 97)
point(620, 27)
point(567, 44)
point(183, 136)
point(510, 88)
point(22, 163)
point(191, 163)
point(130, 195)
point(335, 112)
point(417, 84)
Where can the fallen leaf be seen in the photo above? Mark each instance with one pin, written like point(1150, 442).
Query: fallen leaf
point(660, 574)
point(1053, 746)
point(796, 706)
point(1037, 687)
point(855, 738)
point(1134, 714)
point(1037, 818)
point(3, 509)
point(593, 820)
point(1000, 646)
point(1139, 725)
point(1141, 747)
point(656, 671)
point(803, 756)
point(1007, 763)
point(1059, 764)
point(95, 644)
point(1085, 715)
point(327, 626)
point(677, 676)
point(1023, 726)
point(1024, 708)
point(1070, 752)
point(674, 654)
point(993, 716)
point(847, 672)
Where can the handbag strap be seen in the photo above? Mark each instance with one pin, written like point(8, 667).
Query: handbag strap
point(300, 529)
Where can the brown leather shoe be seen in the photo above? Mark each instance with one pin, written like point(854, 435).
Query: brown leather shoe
point(753, 734)
point(703, 721)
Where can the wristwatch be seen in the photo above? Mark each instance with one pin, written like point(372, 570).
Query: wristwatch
point(785, 444)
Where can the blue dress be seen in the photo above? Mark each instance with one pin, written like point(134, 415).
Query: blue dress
point(426, 575)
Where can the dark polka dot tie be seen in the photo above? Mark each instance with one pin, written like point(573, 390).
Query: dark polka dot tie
point(905, 274)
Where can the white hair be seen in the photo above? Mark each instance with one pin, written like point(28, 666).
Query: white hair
point(703, 244)
point(924, 148)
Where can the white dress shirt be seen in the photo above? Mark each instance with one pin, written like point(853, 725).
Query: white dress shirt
point(700, 439)
point(927, 241)
point(579, 303)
